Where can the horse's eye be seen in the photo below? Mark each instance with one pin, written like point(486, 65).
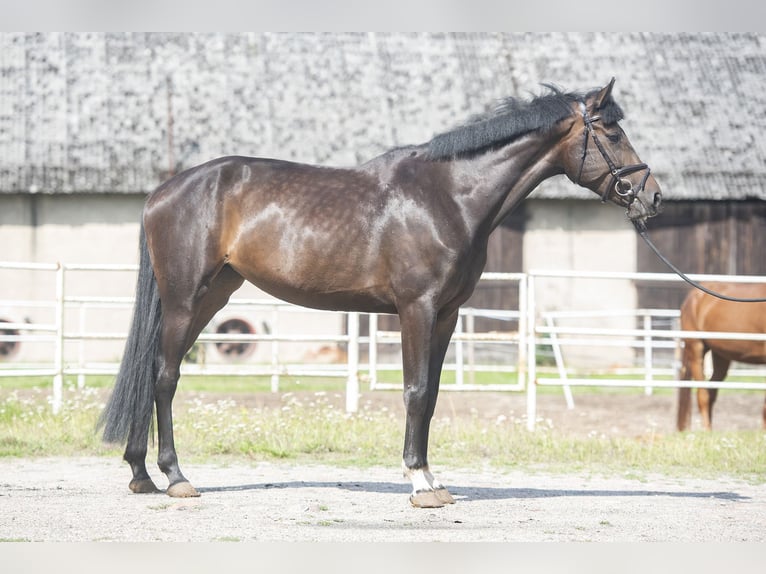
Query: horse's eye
point(614, 138)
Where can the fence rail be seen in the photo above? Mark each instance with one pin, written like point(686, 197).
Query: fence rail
point(646, 337)
point(536, 328)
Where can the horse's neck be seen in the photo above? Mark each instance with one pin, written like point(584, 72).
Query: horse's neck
point(499, 180)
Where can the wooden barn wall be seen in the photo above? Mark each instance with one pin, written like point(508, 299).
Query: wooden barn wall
point(719, 237)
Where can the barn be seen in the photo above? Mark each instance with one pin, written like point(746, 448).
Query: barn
point(91, 122)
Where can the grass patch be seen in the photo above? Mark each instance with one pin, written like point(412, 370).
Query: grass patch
point(298, 428)
point(228, 539)
point(28, 426)
point(312, 427)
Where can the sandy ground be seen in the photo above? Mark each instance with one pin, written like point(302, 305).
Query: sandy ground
point(86, 499)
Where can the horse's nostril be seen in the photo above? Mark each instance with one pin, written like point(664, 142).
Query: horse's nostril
point(657, 199)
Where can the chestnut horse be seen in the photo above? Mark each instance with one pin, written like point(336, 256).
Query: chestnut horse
point(404, 233)
point(703, 312)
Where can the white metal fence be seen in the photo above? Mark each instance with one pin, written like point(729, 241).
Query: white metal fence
point(544, 331)
point(69, 328)
point(532, 329)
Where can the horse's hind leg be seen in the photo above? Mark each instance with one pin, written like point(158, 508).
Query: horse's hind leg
point(706, 397)
point(177, 330)
point(705, 401)
point(684, 416)
point(691, 370)
point(182, 324)
point(135, 455)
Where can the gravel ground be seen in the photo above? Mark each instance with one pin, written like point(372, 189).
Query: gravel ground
point(86, 499)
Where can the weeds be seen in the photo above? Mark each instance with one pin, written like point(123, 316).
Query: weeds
point(311, 426)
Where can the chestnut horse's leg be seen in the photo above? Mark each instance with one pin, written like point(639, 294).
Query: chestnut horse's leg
point(684, 416)
point(705, 400)
point(182, 324)
point(706, 397)
point(424, 344)
point(764, 414)
point(691, 370)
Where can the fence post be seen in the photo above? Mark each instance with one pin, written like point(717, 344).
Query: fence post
point(81, 348)
point(559, 357)
point(58, 352)
point(470, 320)
point(531, 356)
point(648, 375)
point(372, 351)
point(352, 384)
point(523, 320)
point(275, 349)
point(459, 363)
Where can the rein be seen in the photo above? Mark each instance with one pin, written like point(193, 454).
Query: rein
point(641, 229)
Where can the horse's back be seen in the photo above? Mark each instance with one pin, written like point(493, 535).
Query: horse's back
point(311, 235)
point(703, 312)
point(223, 173)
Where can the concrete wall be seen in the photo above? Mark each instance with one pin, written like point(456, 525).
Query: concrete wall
point(103, 229)
point(582, 235)
point(71, 229)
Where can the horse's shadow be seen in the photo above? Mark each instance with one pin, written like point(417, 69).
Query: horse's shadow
point(476, 493)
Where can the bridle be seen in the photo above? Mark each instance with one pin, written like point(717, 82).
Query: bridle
point(622, 187)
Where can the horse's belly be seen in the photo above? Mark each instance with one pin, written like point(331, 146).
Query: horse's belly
point(311, 287)
point(743, 351)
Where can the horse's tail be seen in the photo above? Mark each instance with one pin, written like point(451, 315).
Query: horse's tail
point(131, 403)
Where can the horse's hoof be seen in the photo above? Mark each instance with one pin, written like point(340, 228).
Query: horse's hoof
point(182, 490)
point(143, 486)
point(426, 499)
point(444, 495)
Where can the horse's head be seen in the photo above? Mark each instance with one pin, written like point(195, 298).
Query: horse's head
point(598, 155)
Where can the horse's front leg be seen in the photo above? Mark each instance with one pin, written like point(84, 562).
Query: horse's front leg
point(424, 344)
point(691, 370)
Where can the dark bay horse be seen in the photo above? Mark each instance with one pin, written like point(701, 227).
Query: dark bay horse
point(703, 312)
point(404, 233)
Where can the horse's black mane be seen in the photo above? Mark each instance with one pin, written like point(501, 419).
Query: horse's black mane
point(513, 118)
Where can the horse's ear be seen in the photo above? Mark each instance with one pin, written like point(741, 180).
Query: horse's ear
point(604, 94)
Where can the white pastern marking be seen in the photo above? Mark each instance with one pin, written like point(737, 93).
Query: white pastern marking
point(421, 479)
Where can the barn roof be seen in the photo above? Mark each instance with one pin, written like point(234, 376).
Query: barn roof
point(117, 112)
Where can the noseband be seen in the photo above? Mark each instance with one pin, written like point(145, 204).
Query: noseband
point(622, 187)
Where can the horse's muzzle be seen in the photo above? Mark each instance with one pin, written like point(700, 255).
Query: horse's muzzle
point(646, 204)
